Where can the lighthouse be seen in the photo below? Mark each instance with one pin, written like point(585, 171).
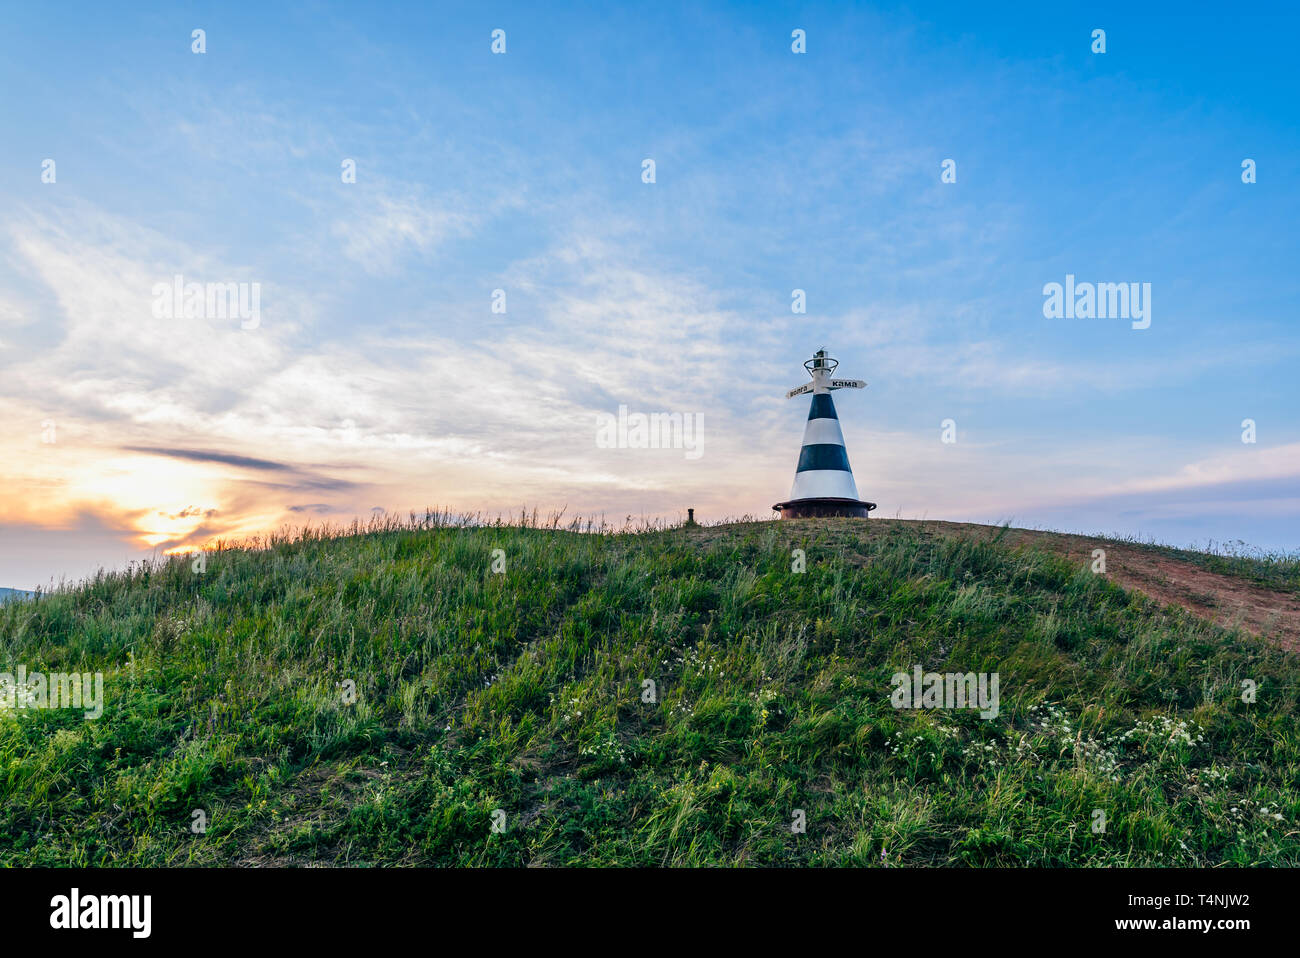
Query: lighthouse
point(823, 479)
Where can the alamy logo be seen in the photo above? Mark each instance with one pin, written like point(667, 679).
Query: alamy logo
point(58, 690)
point(181, 300)
point(659, 430)
point(950, 690)
point(1098, 301)
point(102, 911)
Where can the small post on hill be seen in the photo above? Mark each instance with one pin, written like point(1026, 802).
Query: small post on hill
point(690, 517)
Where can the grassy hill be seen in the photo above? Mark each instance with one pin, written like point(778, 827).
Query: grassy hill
point(228, 698)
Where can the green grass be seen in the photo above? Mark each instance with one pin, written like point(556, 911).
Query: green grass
point(522, 691)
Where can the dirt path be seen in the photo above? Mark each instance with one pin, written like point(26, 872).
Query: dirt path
point(1223, 599)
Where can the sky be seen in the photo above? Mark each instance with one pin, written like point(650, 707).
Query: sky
point(448, 329)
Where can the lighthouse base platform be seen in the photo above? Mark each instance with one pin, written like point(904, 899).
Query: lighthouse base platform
point(816, 508)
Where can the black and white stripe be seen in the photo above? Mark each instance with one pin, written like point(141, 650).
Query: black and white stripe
point(823, 471)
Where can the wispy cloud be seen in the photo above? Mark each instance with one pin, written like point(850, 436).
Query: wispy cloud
point(378, 231)
point(199, 455)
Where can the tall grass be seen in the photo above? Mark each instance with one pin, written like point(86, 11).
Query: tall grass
point(524, 691)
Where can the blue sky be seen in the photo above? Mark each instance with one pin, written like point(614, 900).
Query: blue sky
point(379, 377)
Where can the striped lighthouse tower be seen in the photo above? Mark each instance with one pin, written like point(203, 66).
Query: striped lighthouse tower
point(823, 480)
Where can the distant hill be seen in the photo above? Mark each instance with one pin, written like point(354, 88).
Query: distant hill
point(7, 594)
point(701, 695)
